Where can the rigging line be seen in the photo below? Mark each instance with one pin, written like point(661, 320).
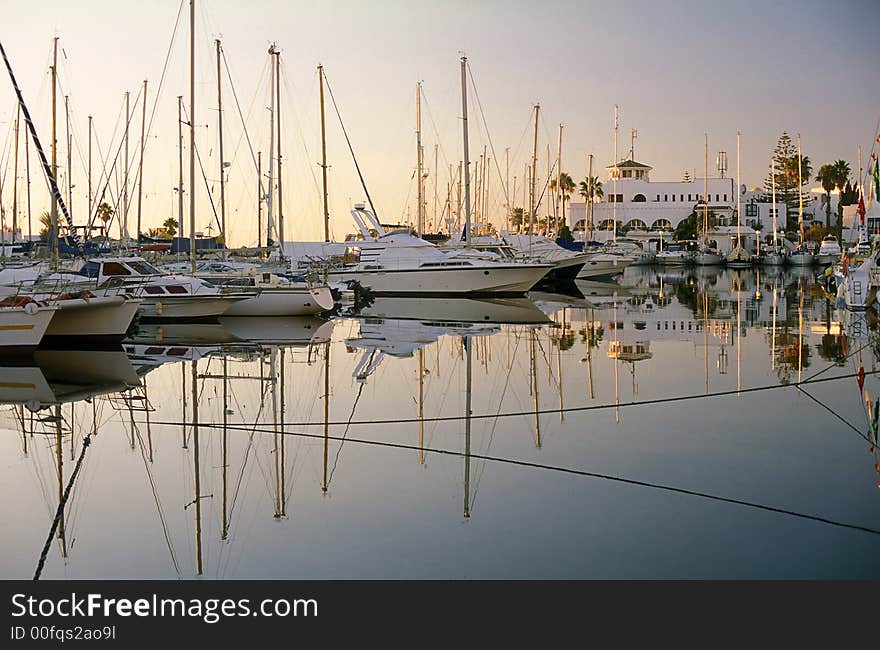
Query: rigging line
point(113, 168)
point(158, 502)
point(573, 409)
point(597, 475)
point(434, 128)
point(238, 108)
point(488, 135)
point(345, 433)
point(350, 148)
point(207, 185)
point(299, 125)
point(60, 511)
point(836, 415)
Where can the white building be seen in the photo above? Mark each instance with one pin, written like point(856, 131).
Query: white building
point(637, 203)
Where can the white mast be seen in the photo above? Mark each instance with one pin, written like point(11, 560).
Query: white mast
point(559, 194)
point(123, 223)
point(270, 217)
point(532, 207)
point(420, 224)
point(738, 193)
point(466, 171)
point(706, 190)
point(192, 136)
point(773, 185)
point(800, 196)
point(614, 180)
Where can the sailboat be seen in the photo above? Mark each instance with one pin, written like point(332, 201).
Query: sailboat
point(739, 257)
point(707, 255)
point(775, 254)
point(800, 256)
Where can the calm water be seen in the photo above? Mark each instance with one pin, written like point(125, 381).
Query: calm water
point(576, 463)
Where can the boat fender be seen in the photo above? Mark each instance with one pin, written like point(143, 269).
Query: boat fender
point(31, 308)
point(159, 308)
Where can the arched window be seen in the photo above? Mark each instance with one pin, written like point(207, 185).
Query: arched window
point(661, 224)
point(636, 224)
point(607, 224)
point(639, 198)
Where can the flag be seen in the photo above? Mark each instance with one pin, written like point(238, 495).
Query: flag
point(861, 209)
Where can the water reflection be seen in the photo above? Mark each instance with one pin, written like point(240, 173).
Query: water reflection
point(204, 447)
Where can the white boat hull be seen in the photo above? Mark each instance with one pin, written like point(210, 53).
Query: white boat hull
point(603, 266)
point(708, 259)
point(22, 328)
point(504, 279)
point(299, 301)
point(773, 259)
point(801, 259)
point(99, 317)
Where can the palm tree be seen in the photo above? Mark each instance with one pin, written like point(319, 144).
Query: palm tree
point(842, 171)
point(591, 189)
point(827, 175)
point(45, 225)
point(566, 187)
point(517, 217)
point(170, 224)
point(105, 213)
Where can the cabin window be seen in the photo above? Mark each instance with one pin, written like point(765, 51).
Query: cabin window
point(176, 288)
point(154, 350)
point(176, 352)
point(153, 290)
point(115, 268)
point(144, 268)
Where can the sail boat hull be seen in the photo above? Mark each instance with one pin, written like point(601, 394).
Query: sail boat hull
point(99, 318)
point(22, 328)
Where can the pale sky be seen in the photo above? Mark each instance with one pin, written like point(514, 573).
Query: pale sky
point(676, 69)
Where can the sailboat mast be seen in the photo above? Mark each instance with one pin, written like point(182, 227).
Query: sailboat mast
point(259, 199)
point(436, 181)
point(90, 169)
point(466, 170)
point(773, 186)
point(27, 173)
point(192, 136)
point(222, 159)
point(123, 223)
point(141, 163)
point(706, 188)
point(323, 155)
point(419, 184)
point(53, 214)
point(559, 195)
point(800, 194)
point(278, 126)
point(614, 184)
point(269, 198)
point(590, 193)
point(69, 157)
point(180, 164)
point(532, 206)
point(15, 177)
point(738, 192)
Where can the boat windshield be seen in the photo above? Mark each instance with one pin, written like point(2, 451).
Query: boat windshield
point(144, 268)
